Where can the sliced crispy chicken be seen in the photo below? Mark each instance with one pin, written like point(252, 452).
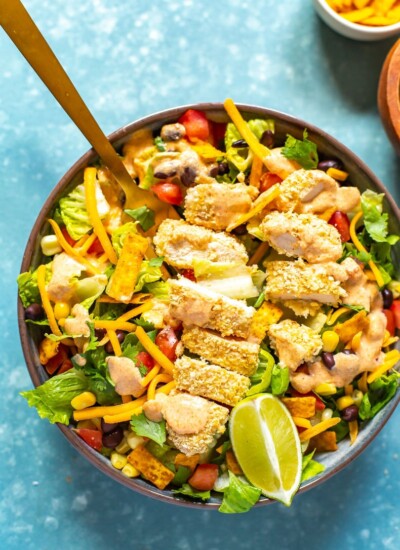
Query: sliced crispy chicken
point(302, 235)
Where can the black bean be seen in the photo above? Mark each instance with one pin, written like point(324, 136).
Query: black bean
point(331, 163)
point(121, 337)
point(328, 359)
point(99, 333)
point(188, 176)
point(164, 175)
point(173, 132)
point(240, 229)
point(214, 171)
point(223, 168)
point(268, 139)
point(350, 413)
point(106, 428)
point(239, 143)
point(112, 439)
point(387, 296)
point(348, 352)
point(34, 312)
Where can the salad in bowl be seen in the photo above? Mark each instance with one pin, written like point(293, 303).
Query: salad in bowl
point(228, 354)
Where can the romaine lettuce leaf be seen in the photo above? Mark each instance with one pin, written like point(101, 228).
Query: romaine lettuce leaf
point(375, 220)
point(188, 491)
point(53, 398)
point(261, 380)
point(239, 496)
point(159, 290)
point(28, 289)
point(148, 274)
point(279, 380)
point(310, 467)
point(231, 279)
point(241, 157)
point(380, 392)
point(118, 236)
point(87, 290)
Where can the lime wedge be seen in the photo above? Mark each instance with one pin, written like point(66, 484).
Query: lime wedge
point(267, 446)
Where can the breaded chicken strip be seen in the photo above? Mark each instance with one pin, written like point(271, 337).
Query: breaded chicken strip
point(180, 243)
point(194, 305)
point(217, 205)
point(287, 281)
point(294, 343)
point(314, 192)
point(302, 235)
point(199, 378)
point(236, 355)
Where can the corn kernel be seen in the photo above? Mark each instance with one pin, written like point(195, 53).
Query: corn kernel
point(336, 174)
point(357, 396)
point(330, 340)
point(50, 245)
point(118, 460)
point(123, 447)
point(326, 389)
point(326, 414)
point(344, 402)
point(130, 471)
point(61, 310)
point(83, 400)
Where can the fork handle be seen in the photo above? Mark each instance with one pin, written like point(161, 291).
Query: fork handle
point(22, 30)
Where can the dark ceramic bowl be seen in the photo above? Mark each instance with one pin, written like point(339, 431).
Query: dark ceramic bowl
point(360, 176)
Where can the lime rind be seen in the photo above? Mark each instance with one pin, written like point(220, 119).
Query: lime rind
point(270, 455)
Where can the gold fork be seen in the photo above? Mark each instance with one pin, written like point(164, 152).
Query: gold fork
point(22, 30)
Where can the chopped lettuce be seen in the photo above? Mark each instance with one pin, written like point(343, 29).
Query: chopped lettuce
point(155, 431)
point(188, 491)
point(241, 157)
point(28, 289)
point(159, 290)
point(53, 398)
point(380, 392)
point(234, 280)
point(118, 236)
point(310, 467)
point(239, 496)
point(144, 215)
point(302, 151)
point(149, 273)
point(375, 220)
point(87, 290)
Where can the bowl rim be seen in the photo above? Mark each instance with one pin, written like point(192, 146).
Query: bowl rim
point(95, 458)
point(371, 31)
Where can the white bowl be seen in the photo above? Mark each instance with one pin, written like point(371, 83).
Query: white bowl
point(356, 31)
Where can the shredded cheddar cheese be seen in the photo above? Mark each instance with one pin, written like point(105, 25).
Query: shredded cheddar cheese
point(150, 375)
point(136, 311)
point(262, 201)
point(115, 325)
point(255, 146)
point(151, 391)
point(89, 182)
point(41, 280)
point(319, 428)
point(101, 412)
point(256, 172)
point(112, 335)
point(154, 351)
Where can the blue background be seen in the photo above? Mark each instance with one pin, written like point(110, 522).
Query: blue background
point(129, 59)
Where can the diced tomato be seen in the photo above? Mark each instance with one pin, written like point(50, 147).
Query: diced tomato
point(267, 180)
point(218, 134)
point(189, 274)
point(196, 125)
point(168, 192)
point(92, 437)
point(390, 321)
point(66, 365)
point(55, 363)
point(167, 341)
point(342, 224)
point(144, 359)
point(204, 477)
point(96, 248)
point(67, 236)
point(319, 404)
point(395, 309)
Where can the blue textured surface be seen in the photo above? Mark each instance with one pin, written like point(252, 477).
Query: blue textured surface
point(129, 59)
